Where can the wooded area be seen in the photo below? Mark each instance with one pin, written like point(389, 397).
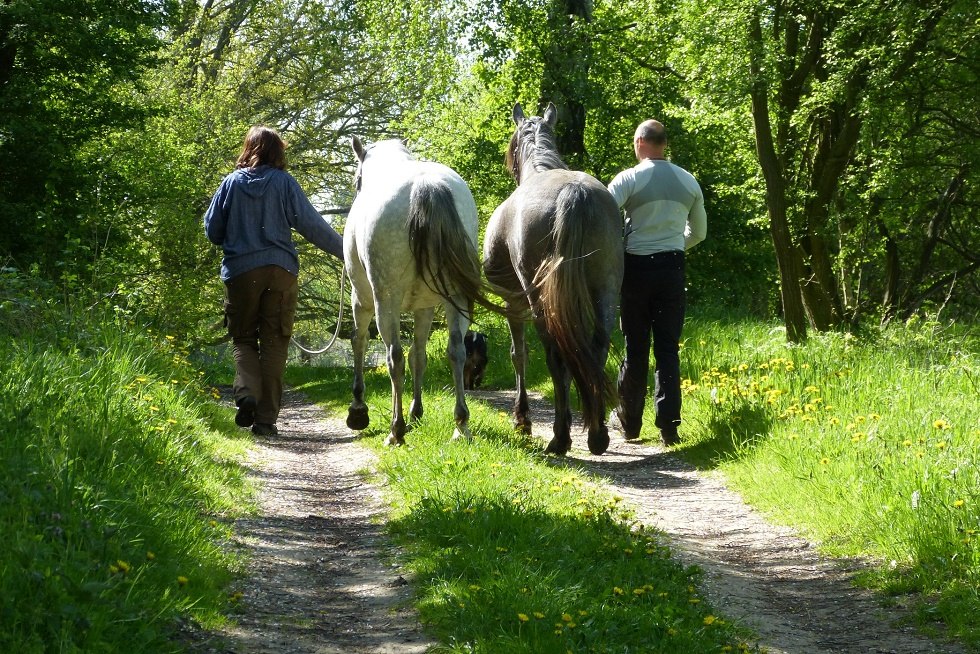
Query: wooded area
point(836, 142)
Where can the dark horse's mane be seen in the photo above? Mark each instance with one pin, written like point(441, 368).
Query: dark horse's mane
point(535, 143)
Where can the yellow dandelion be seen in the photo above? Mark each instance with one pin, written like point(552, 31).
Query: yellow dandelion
point(959, 503)
point(940, 424)
point(181, 580)
point(150, 556)
point(824, 461)
point(907, 443)
point(709, 619)
point(617, 590)
point(566, 617)
point(523, 617)
point(941, 445)
point(474, 587)
point(123, 566)
point(539, 615)
point(671, 631)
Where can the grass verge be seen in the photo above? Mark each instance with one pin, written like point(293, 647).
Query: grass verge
point(869, 444)
point(116, 480)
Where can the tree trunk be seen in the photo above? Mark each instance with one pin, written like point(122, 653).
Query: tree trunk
point(787, 255)
point(566, 78)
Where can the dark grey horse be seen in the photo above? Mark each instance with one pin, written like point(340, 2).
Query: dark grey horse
point(553, 251)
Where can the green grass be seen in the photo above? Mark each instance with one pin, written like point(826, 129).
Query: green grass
point(868, 444)
point(117, 480)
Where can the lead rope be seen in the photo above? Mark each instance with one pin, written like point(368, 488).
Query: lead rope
point(340, 317)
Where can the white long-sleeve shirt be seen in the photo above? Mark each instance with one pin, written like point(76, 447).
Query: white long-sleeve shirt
point(664, 207)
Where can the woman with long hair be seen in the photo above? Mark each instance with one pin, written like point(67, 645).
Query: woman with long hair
point(251, 217)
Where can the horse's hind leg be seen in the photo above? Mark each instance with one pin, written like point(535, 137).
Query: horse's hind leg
point(456, 351)
point(417, 360)
point(561, 379)
point(387, 319)
point(605, 323)
point(518, 357)
point(357, 414)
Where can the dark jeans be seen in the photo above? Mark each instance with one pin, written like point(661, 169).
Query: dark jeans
point(260, 307)
point(652, 302)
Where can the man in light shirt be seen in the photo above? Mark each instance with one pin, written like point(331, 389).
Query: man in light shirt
point(664, 217)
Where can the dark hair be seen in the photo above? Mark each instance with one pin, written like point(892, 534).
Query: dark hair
point(652, 132)
point(263, 147)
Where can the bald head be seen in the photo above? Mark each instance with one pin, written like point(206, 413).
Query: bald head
point(652, 132)
point(650, 140)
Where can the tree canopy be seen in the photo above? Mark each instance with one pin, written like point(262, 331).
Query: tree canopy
point(836, 143)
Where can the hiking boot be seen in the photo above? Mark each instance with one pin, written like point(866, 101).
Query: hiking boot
point(246, 411)
point(262, 429)
point(669, 437)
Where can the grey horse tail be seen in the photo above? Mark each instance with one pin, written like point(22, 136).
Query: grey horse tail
point(445, 257)
point(567, 305)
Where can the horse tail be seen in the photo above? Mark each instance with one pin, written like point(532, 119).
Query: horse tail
point(445, 256)
point(567, 305)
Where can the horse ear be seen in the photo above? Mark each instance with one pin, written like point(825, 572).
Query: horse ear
point(550, 115)
point(358, 148)
point(518, 114)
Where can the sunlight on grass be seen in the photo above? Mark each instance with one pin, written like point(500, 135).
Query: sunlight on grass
point(117, 483)
point(868, 445)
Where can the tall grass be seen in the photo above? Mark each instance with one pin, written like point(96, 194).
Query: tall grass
point(115, 477)
point(869, 444)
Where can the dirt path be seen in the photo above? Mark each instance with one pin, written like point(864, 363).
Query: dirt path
point(320, 582)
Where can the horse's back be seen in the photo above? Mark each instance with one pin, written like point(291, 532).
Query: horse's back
point(521, 229)
point(379, 247)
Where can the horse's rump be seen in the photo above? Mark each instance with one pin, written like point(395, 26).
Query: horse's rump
point(445, 256)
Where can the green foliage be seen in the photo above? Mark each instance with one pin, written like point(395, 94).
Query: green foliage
point(116, 483)
point(65, 71)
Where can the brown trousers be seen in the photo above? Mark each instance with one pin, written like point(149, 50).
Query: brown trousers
point(260, 307)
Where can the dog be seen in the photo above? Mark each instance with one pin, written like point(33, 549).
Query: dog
point(476, 359)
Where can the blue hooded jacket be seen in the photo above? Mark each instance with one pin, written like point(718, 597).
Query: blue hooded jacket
point(252, 216)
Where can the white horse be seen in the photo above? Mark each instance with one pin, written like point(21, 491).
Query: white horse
point(410, 244)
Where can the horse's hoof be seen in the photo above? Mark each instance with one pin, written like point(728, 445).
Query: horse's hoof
point(357, 419)
point(394, 441)
point(599, 442)
point(558, 447)
point(462, 434)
